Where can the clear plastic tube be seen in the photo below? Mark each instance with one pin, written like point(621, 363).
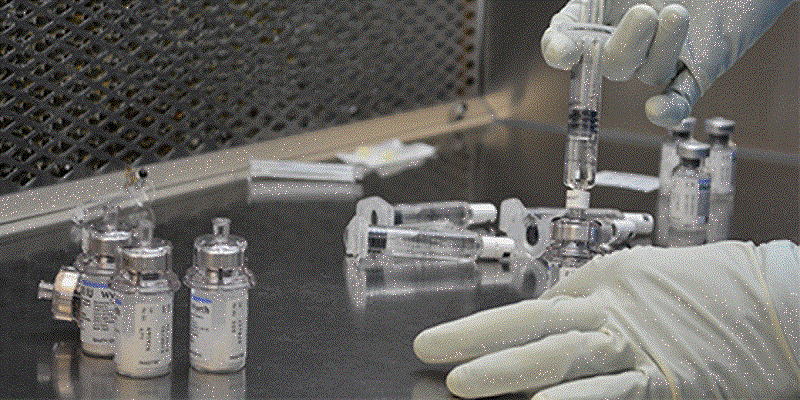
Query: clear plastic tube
point(458, 213)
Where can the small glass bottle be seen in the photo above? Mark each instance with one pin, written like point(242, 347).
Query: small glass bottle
point(689, 196)
point(669, 150)
point(573, 242)
point(144, 287)
point(97, 316)
point(363, 239)
point(721, 165)
point(219, 282)
point(80, 292)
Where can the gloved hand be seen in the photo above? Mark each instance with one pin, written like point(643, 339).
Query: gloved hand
point(687, 45)
point(719, 320)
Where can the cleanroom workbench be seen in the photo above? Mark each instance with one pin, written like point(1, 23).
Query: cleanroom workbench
point(315, 330)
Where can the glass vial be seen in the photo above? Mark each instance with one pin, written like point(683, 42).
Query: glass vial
point(689, 196)
point(669, 150)
point(144, 287)
point(96, 312)
point(219, 282)
point(721, 165)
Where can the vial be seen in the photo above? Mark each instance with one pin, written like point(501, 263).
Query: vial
point(96, 312)
point(689, 196)
point(80, 291)
point(669, 150)
point(573, 242)
point(363, 239)
point(219, 283)
point(144, 287)
point(721, 165)
point(458, 213)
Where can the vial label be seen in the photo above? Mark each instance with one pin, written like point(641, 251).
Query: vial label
point(97, 316)
point(689, 201)
point(144, 336)
point(218, 329)
point(669, 160)
point(720, 164)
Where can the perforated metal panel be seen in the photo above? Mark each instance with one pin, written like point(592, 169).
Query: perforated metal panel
point(87, 87)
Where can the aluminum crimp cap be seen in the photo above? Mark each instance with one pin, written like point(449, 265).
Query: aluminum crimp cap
point(107, 235)
point(146, 254)
point(693, 150)
point(685, 128)
point(566, 229)
point(220, 250)
point(720, 127)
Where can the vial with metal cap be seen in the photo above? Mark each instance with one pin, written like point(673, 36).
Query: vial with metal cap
point(722, 155)
point(80, 292)
point(669, 150)
point(689, 196)
point(458, 213)
point(97, 300)
point(363, 239)
point(219, 282)
point(574, 241)
point(144, 287)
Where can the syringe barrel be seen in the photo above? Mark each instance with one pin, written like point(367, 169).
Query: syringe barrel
point(580, 161)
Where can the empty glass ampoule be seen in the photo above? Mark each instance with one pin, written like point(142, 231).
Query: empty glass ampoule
point(363, 239)
point(219, 283)
point(721, 159)
point(669, 150)
point(144, 287)
point(689, 196)
point(459, 213)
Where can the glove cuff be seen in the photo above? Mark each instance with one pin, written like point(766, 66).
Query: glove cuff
point(782, 275)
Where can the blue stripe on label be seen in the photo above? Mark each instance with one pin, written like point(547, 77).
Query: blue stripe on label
point(94, 284)
point(200, 299)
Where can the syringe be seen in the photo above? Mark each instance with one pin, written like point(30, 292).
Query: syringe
point(363, 239)
point(580, 159)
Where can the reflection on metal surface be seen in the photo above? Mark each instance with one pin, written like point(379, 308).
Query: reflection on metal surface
point(432, 388)
point(370, 279)
point(95, 378)
point(61, 370)
point(380, 279)
point(299, 191)
point(138, 389)
point(204, 385)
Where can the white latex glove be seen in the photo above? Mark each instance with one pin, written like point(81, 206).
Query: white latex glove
point(687, 44)
point(715, 321)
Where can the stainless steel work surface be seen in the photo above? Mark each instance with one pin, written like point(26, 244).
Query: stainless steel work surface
point(306, 339)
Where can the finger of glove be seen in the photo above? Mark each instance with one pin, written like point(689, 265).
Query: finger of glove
point(627, 385)
point(503, 327)
point(558, 50)
point(627, 47)
point(662, 59)
point(675, 104)
point(554, 359)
